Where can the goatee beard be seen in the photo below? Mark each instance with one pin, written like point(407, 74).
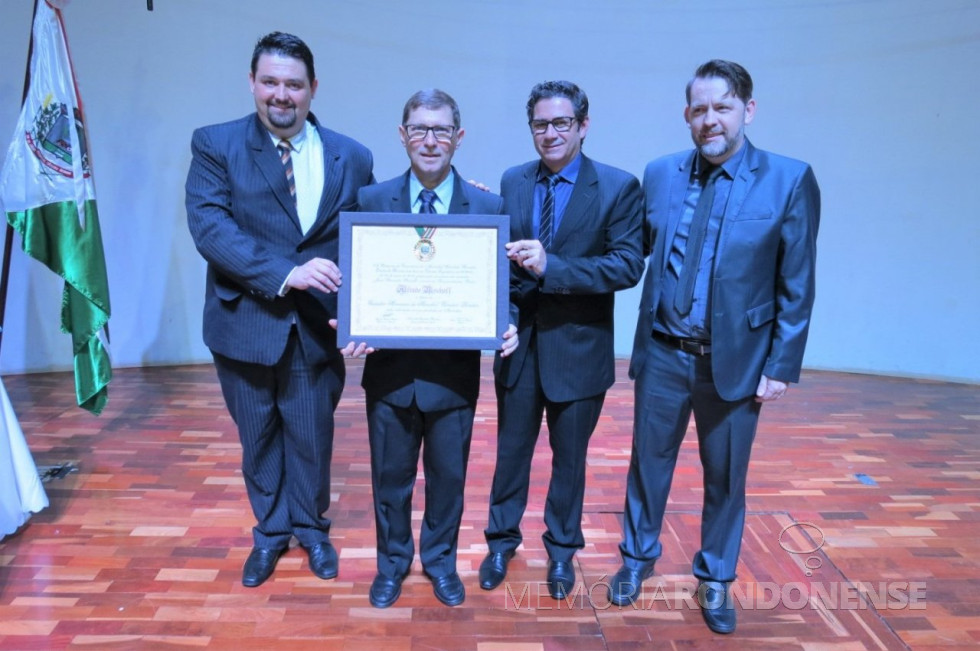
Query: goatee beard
point(282, 117)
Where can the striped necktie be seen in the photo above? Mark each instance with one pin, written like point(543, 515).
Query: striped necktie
point(547, 226)
point(285, 154)
point(427, 199)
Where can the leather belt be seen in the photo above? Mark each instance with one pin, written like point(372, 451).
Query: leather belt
point(692, 346)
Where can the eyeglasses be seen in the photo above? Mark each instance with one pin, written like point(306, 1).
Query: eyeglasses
point(560, 124)
point(441, 132)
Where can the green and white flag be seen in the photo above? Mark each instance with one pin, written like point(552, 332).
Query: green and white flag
point(47, 191)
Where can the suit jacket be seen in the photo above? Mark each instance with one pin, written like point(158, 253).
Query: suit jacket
point(596, 250)
point(437, 379)
point(763, 278)
point(245, 225)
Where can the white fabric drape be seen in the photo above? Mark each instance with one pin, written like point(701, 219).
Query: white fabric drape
point(21, 492)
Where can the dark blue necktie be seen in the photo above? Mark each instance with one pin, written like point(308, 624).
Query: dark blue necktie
point(547, 226)
point(427, 198)
point(684, 294)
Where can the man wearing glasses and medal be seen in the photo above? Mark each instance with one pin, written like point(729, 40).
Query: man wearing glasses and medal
point(423, 399)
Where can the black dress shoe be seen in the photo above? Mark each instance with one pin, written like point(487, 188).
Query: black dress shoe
point(259, 565)
point(493, 569)
point(626, 584)
point(323, 560)
point(561, 579)
point(448, 589)
point(385, 591)
point(717, 608)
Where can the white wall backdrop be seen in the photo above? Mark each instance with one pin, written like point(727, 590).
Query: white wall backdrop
point(880, 96)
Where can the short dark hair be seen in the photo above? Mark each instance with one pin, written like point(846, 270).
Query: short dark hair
point(285, 45)
point(433, 99)
point(566, 89)
point(738, 79)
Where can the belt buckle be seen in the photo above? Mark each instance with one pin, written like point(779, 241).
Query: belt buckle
point(693, 347)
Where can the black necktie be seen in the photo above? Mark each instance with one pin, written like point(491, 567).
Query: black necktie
point(684, 294)
point(427, 198)
point(285, 148)
point(547, 226)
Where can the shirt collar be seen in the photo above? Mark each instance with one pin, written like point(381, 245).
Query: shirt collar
point(444, 191)
point(568, 173)
point(730, 166)
point(298, 140)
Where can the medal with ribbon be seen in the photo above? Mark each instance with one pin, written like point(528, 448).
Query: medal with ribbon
point(424, 248)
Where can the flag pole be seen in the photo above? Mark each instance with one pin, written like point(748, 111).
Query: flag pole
point(9, 238)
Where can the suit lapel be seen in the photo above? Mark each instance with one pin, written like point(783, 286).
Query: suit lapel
point(679, 180)
point(744, 179)
point(270, 165)
point(579, 209)
point(460, 203)
point(333, 177)
point(401, 201)
point(741, 185)
point(525, 203)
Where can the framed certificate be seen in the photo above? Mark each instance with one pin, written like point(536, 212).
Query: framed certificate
point(423, 281)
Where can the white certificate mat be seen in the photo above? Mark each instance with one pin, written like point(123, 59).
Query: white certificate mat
point(423, 281)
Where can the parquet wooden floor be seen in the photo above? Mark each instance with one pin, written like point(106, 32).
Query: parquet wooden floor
point(863, 531)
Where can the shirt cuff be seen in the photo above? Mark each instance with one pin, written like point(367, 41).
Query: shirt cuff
point(284, 288)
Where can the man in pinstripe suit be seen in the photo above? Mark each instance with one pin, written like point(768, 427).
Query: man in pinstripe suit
point(263, 197)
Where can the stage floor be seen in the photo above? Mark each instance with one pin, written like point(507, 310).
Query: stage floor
point(863, 531)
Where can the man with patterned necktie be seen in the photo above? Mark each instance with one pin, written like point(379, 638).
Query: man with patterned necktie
point(423, 398)
point(575, 241)
point(263, 197)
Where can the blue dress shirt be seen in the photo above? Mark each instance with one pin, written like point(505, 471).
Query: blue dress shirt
point(696, 324)
point(563, 191)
